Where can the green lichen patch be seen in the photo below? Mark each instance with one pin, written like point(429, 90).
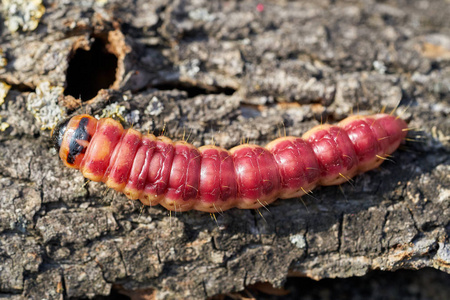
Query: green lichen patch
point(3, 60)
point(113, 110)
point(4, 89)
point(22, 14)
point(43, 104)
point(3, 125)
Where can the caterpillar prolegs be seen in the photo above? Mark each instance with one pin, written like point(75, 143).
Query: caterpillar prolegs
point(180, 177)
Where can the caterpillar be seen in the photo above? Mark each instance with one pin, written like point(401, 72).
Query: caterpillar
point(180, 177)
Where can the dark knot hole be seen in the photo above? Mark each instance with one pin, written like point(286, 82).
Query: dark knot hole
point(90, 70)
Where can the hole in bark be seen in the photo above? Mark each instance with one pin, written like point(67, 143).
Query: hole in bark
point(91, 70)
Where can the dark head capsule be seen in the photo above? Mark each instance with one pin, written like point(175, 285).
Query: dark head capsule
point(58, 133)
point(71, 138)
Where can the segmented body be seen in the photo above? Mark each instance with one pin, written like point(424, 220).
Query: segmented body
point(180, 177)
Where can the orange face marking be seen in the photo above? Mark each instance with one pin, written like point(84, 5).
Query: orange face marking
point(73, 138)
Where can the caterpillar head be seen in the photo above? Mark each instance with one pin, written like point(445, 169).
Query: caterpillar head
point(71, 138)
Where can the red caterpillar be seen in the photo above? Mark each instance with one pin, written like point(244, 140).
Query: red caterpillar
point(180, 177)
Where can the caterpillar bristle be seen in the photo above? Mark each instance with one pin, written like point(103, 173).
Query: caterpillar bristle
point(213, 217)
point(341, 189)
point(304, 204)
point(349, 180)
point(262, 216)
point(262, 205)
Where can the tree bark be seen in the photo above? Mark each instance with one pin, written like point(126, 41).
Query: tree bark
point(221, 72)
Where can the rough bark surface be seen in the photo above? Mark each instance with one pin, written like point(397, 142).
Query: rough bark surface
point(224, 71)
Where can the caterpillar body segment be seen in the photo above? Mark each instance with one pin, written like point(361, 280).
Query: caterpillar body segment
point(180, 177)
